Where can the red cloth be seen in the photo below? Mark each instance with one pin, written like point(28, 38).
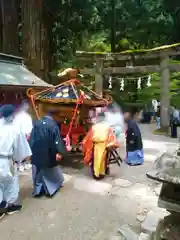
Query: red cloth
point(74, 134)
point(28, 136)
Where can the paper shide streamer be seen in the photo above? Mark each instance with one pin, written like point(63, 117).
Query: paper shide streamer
point(110, 82)
point(149, 81)
point(122, 84)
point(139, 83)
point(137, 80)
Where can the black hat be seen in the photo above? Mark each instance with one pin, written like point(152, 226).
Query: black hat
point(7, 110)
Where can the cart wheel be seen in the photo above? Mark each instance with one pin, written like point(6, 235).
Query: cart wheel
point(119, 161)
point(107, 171)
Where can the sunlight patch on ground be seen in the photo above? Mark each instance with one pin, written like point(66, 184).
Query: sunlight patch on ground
point(141, 191)
point(144, 195)
point(67, 177)
point(92, 186)
point(149, 158)
point(148, 144)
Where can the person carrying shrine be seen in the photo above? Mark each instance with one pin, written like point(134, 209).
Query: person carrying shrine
point(115, 119)
point(158, 117)
point(47, 149)
point(23, 121)
point(95, 147)
point(134, 145)
point(174, 122)
point(13, 149)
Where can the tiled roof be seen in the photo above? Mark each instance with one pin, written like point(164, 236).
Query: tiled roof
point(13, 72)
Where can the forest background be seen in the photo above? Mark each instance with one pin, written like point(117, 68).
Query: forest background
point(47, 34)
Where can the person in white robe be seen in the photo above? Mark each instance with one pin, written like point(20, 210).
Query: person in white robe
point(115, 119)
point(23, 121)
point(13, 148)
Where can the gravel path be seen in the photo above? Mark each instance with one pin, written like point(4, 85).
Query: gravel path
point(86, 209)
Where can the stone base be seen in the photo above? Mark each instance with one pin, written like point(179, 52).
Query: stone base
point(168, 229)
point(178, 152)
point(145, 236)
point(125, 232)
point(170, 197)
point(152, 219)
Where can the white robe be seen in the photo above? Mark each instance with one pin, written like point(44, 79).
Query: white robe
point(116, 122)
point(23, 121)
point(13, 148)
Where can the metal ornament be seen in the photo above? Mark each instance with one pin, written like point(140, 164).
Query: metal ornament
point(110, 82)
point(149, 81)
point(122, 85)
point(139, 83)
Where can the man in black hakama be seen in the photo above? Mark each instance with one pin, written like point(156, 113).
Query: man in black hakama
point(47, 147)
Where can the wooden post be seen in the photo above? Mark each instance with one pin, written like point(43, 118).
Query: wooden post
point(165, 91)
point(99, 77)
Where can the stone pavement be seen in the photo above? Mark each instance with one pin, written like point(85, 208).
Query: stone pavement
point(124, 203)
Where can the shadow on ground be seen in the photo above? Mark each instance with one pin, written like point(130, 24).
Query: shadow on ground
point(73, 160)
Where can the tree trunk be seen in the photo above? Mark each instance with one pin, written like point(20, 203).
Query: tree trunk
point(1, 28)
point(34, 35)
point(99, 77)
point(165, 91)
point(113, 25)
point(49, 46)
point(9, 27)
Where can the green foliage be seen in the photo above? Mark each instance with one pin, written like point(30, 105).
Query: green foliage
point(154, 92)
point(140, 24)
point(86, 25)
point(96, 43)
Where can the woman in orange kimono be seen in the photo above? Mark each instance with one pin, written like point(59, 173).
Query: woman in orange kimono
point(95, 144)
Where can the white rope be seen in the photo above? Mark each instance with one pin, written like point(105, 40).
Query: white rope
point(135, 78)
point(139, 79)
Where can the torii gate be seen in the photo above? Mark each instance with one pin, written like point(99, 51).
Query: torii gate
point(160, 54)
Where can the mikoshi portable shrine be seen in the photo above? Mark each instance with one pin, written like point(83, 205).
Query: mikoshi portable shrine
point(74, 101)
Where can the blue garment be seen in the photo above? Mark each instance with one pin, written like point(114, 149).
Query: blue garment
point(47, 181)
point(46, 142)
point(134, 145)
point(158, 122)
point(174, 127)
point(135, 157)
